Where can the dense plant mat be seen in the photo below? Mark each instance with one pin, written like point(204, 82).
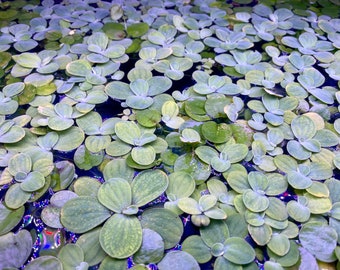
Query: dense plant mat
point(169, 134)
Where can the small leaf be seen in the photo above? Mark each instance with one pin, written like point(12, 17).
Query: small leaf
point(279, 244)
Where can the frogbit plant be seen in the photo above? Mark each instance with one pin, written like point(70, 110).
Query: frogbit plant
point(169, 135)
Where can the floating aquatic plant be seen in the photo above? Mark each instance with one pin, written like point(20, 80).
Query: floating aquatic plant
point(170, 134)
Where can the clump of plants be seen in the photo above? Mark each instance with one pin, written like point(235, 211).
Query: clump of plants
point(169, 134)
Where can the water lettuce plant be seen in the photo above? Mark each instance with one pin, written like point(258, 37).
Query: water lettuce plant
point(169, 135)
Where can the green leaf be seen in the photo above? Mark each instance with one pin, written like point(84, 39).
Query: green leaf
point(298, 180)
point(255, 201)
point(288, 260)
point(45, 262)
point(261, 234)
point(115, 194)
point(285, 163)
point(121, 236)
point(118, 168)
point(279, 244)
point(216, 133)
point(110, 263)
point(296, 150)
point(15, 197)
point(238, 251)
point(128, 132)
point(181, 185)
point(144, 155)
point(89, 243)
point(166, 223)
point(79, 68)
point(137, 29)
point(303, 127)
point(318, 205)
point(190, 135)
point(152, 248)
point(28, 60)
point(69, 139)
point(71, 256)
point(235, 152)
point(189, 206)
point(147, 186)
point(83, 213)
point(216, 232)
point(196, 247)
point(175, 260)
point(9, 218)
point(20, 163)
point(15, 249)
point(33, 182)
point(298, 211)
point(320, 233)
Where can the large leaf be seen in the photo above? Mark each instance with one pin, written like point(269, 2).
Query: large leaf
point(71, 256)
point(15, 197)
point(79, 68)
point(9, 218)
point(83, 213)
point(152, 248)
point(28, 60)
point(238, 251)
point(303, 127)
point(164, 222)
point(89, 243)
point(181, 185)
point(115, 194)
point(147, 186)
point(175, 260)
point(15, 249)
point(195, 246)
point(279, 244)
point(121, 236)
point(45, 262)
point(69, 139)
point(255, 201)
point(216, 232)
point(320, 233)
point(128, 132)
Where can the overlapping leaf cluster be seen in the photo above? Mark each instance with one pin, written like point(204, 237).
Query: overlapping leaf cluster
point(228, 118)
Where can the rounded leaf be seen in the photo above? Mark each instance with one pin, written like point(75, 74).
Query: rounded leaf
point(143, 155)
point(71, 256)
point(238, 251)
point(9, 218)
point(45, 262)
point(83, 213)
point(216, 133)
point(320, 233)
point(152, 248)
point(255, 201)
point(115, 194)
point(279, 244)
point(303, 127)
point(128, 132)
point(176, 260)
point(195, 246)
point(166, 223)
point(15, 249)
point(147, 186)
point(79, 67)
point(181, 185)
point(216, 232)
point(89, 243)
point(121, 236)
